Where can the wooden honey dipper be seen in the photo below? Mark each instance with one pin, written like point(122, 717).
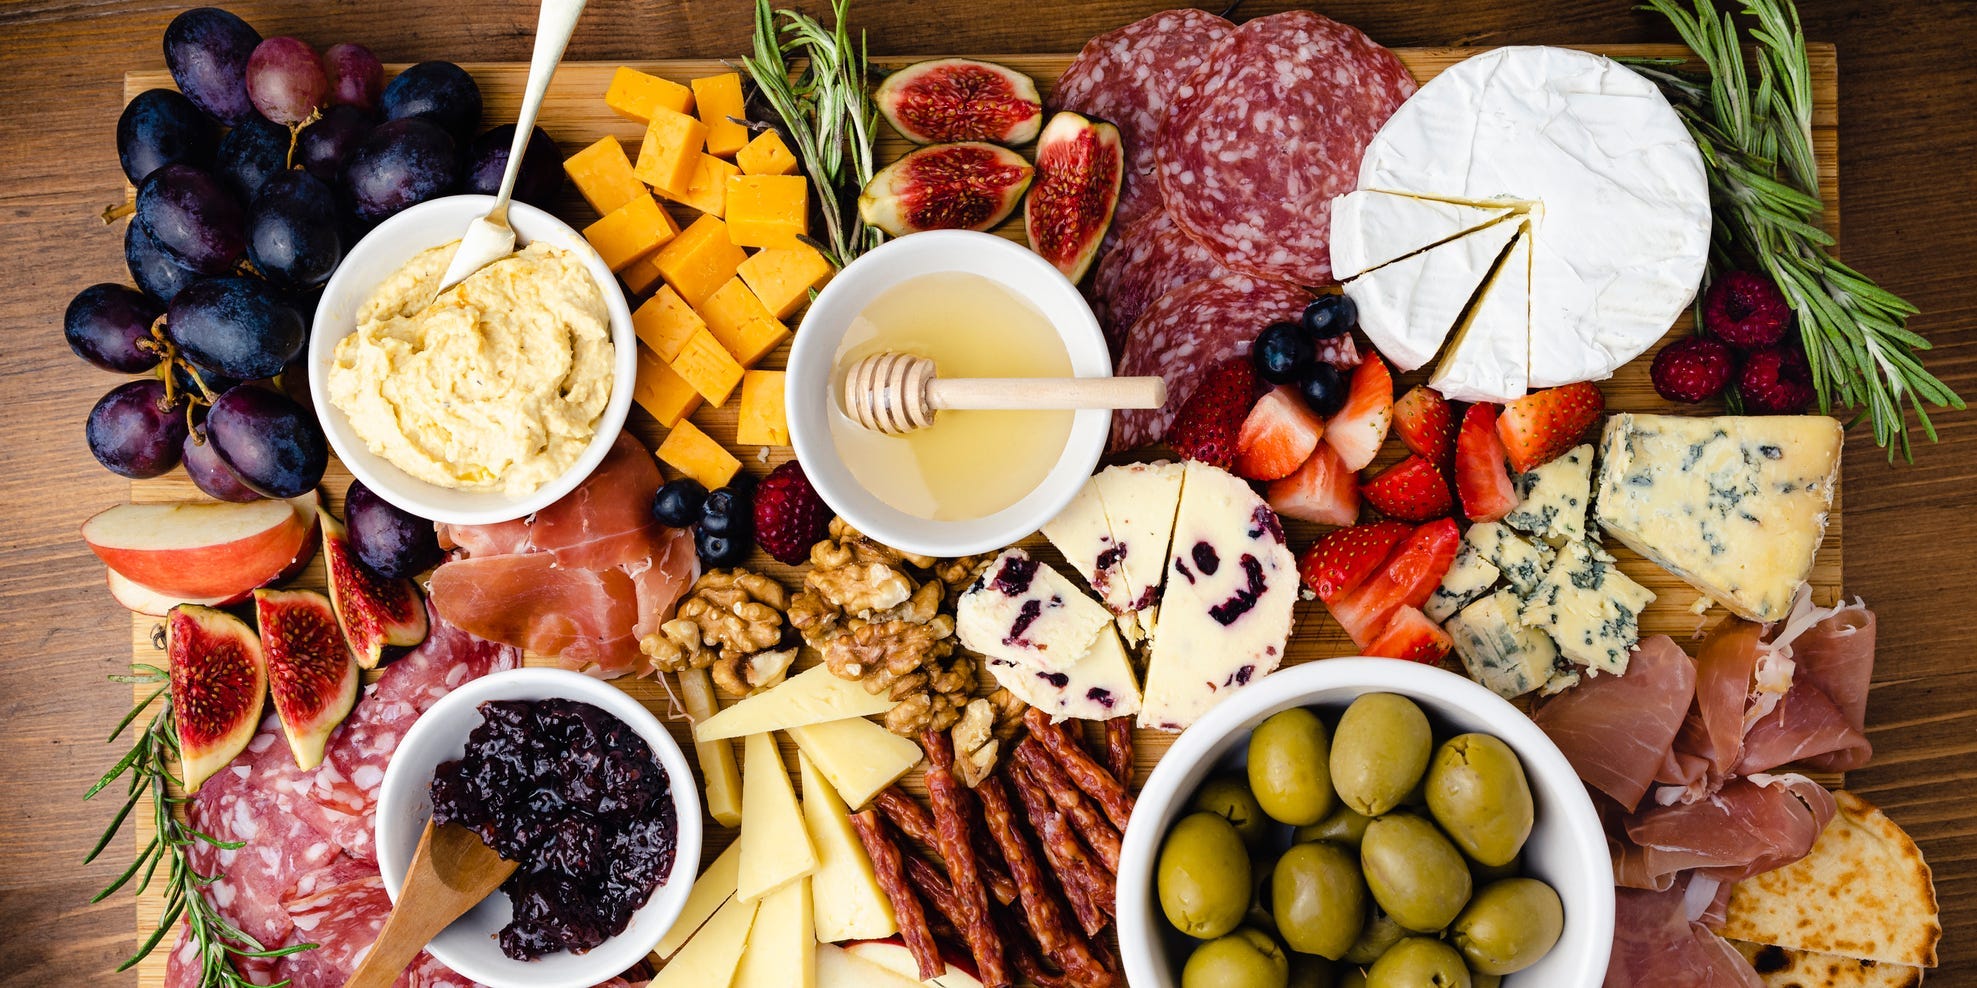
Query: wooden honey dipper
point(894, 393)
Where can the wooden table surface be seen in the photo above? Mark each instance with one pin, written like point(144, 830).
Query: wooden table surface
point(1908, 143)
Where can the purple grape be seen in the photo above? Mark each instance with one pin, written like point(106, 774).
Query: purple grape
point(249, 154)
point(161, 127)
point(193, 216)
point(286, 80)
point(211, 474)
point(110, 326)
point(326, 144)
point(207, 50)
point(272, 443)
point(216, 383)
point(441, 91)
point(239, 327)
point(541, 178)
point(403, 163)
point(292, 235)
point(156, 271)
point(356, 76)
point(133, 432)
point(388, 539)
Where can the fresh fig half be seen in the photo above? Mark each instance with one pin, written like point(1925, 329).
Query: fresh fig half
point(311, 673)
point(967, 186)
point(961, 99)
point(219, 680)
point(373, 611)
point(1080, 163)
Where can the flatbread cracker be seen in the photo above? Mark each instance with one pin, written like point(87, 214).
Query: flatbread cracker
point(1782, 968)
point(1863, 892)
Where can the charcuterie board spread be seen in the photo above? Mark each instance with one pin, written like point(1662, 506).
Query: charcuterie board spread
point(1504, 368)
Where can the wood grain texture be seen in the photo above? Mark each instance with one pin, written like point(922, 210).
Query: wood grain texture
point(1906, 143)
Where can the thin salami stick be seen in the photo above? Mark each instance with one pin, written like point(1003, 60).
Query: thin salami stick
point(957, 846)
point(1090, 824)
point(1087, 774)
point(906, 908)
point(1086, 885)
point(1041, 909)
point(1119, 749)
point(915, 822)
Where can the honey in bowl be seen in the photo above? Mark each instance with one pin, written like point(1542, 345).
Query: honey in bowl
point(968, 464)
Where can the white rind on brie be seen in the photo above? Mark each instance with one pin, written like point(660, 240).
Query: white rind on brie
point(1371, 228)
point(1407, 308)
point(1490, 357)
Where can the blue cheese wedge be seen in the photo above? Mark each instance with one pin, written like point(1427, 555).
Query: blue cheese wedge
point(1498, 649)
point(1024, 613)
point(1100, 686)
point(1522, 562)
point(1589, 608)
point(1554, 497)
point(1469, 577)
point(1734, 505)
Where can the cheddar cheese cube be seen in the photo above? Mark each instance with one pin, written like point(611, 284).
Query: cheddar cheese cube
point(696, 454)
point(717, 99)
point(700, 259)
point(708, 366)
point(766, 155)
point(783, 276)
point(634, 94)
point(742, 323)
point(768, 210)
point(603, 175)
point(671, 149)
point(707, 190)
point(661, 392)
point(640, 276)
point(630, 232)
point(665, 322)
point(763, 422)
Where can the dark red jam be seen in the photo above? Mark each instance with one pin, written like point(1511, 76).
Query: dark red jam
point(576, 796)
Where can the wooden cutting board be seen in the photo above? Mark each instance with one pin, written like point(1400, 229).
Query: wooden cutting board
point(574, 115)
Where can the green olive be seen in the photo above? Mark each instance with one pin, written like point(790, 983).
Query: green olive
point(1509, 925)
point(1477, 980)
point(1203, 876)
point(1289, 758)
point(1478, 794)
point(1311, 972)
point(1229, 797)
point(1318, 898)
point(1414, 873)
point(1419, 962)
point(1485, 874)
point(1244, 959)
point(1379, 933)
point(1343, 825)
point(1380, 752)
point(1352, 977)
point(1259, 915)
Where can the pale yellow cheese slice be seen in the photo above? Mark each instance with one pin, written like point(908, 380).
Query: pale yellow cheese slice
point(782, 950)
point(844, 891)
point(859, 758)
point(711, 890)
point(836, 968)
point(775, 846)
point(813, 696)
point(711, 958)
point(717, 758)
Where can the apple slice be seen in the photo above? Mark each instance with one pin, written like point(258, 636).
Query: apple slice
point(893, 956)
point(199, 548)
point(156, 603)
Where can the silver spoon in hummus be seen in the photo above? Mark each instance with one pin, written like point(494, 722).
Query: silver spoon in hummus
point(490, 238)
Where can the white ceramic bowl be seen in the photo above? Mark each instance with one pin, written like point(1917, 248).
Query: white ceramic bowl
point(813, 363)
point(405, 804)
point(1567, 848)
point(378, 256)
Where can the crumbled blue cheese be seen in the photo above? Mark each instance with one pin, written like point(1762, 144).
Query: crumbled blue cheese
point(1554, 496)
point(1589, 608)
point(1522, 562)
point(1498, 650)
point(1469, 577)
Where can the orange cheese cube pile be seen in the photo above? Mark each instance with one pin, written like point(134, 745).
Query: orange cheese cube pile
point(742, 323)
point(696, 454)
point(640, 277)
point(707, 190)
point(634, 95)
point(763, 422)
point(700, 259)
point(768, 210)
point(631, 231)
point(670, 152)
point(661, 392)
point(665, 322)
point(708, 366)
point(766, 155)
point(719, 103)
point(603, 175)
point(783, 276)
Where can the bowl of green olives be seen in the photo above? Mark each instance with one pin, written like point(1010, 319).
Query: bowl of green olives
point(1365, 823)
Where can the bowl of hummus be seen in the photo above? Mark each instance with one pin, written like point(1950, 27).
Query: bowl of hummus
point(487, 402)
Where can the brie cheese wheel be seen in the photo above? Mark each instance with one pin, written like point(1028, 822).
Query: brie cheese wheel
point(1619, 201)
point(1407, 307)
point(1490, 357)
point(1371, 228)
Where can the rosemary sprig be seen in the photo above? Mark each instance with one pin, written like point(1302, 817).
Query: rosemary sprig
point(148, 766)
point(826, 112)
point(1763, 177)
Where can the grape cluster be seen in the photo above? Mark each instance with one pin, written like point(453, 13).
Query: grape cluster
point(253, 179)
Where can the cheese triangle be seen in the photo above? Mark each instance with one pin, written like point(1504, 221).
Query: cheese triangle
point(1371, 228)
point(1490, 356)
point(1408, 308)
point(775, 844)
point(847, 903)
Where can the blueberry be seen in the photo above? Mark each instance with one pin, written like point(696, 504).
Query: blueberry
point(1330, 316)
point(1282, 353)
point(678, 503)
point(719, 551)
point(727, 511)
point(1323, 387)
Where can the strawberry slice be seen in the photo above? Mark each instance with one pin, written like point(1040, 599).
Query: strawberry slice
point(1410, 635)
point(1209, 424)
point(1277, 437)
point(1411, 574)
point(1481, 482)
point(1322, 490)
point(1411, 490)
point(1361, 424)
point(1339, 562)
point(1425, 421)
point(1541, 426)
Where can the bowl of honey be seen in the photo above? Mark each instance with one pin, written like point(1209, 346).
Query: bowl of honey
point(979, 306)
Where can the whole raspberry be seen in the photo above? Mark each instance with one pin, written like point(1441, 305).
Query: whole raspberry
point(789, 516)
point(1692, 369)
point(1746, 310)
point(1777, 381)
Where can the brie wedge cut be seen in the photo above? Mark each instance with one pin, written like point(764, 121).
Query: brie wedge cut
point(1490, 357)
point(1373, 228)
point(1408, 307)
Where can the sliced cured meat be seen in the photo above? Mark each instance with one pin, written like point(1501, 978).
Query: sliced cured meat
point(1821, 720)
point(1656, 944)
point(1150, 260)
point(1746, 828)
point(343, 921)
point(182, 965)
point(486, 540)
point(1129, 76)
point(1618, 731)
point(581, 618)
point(276, 848)
point(607, 521)
point(1273, 129)
point(1712, 738)
point(659, 582)
point(1190, 329)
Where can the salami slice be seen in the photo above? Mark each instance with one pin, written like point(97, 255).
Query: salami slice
point(1152, 258)
point(1271, 130)
point(1129, 76)
point(1189, 330)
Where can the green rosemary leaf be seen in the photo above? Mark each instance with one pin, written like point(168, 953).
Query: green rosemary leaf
point(124, 724)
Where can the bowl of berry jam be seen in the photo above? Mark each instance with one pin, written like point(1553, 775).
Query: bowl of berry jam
point(579, 784)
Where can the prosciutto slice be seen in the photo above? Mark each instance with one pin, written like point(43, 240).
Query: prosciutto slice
point(1618, 731)
point(1656, 944)
point(1747, 827)
point(1821, 721)
point(581, 617)
point(1712, 736)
